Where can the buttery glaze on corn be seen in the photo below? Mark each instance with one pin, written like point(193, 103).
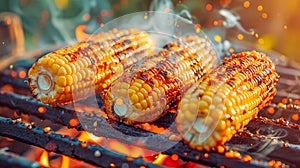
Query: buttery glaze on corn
point(76, 72)
point(160, 82)
point(226, 100)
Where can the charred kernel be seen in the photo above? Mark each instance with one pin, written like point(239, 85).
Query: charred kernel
point(230, 101)
point(164, 78)
point(98, 61)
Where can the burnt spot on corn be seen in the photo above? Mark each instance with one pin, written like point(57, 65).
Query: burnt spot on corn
point(227, 99)
point(77, 71)
point(161, 81)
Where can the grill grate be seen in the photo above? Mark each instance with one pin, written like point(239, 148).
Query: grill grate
point(66, 145)
point(268, 138)
point(9, 159)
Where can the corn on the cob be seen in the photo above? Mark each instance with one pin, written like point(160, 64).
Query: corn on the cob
point(76, 72)
point(146, 95)
point(225, 100)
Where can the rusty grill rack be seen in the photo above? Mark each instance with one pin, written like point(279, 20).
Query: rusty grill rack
point(268, 138)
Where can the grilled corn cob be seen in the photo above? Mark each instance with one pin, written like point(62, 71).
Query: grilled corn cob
point(225, 100)
point(146, 95)
point(75, 72)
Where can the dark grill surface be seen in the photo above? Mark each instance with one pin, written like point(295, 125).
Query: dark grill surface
point(269, 138)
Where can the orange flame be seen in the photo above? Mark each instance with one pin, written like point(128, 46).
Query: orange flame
point(80, 34)
point(89, 138)
point(160, 159)
point(129, 150)
point(65, 161)
point(44, 159)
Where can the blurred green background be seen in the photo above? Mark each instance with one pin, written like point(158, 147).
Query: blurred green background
point(275, 23)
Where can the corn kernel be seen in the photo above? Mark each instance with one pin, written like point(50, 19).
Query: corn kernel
point(61, 80)
point(260, 89)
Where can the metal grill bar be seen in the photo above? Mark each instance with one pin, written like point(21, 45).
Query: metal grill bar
point(66, 145)
point(11, 160)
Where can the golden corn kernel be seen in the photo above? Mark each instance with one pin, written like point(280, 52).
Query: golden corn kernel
point(69, 80)
point(147, 87)
point(134, 98)
point(62, 71)
point(98, 61)
point(158, 78)
point(61, 81)
point(55, 68)
point(222, 102)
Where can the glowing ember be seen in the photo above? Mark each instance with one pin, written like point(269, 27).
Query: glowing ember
point(264, 15)
point(44, 159)
point(295, 117)
point(220, 149)
point(208, 7)
point(218, 38)
point(233, 155)
point(246, 4)
point(240, 36)
point(42, 109)
point(7, 88)
point(47, 129)
point(271, 110)
point(22, 74)
point(260, 8)
point(284, 100)
point(154, 128)
point(112, 165)
point(247, 158)
point(175, 157)
point(74, 122)
point(13, 74)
